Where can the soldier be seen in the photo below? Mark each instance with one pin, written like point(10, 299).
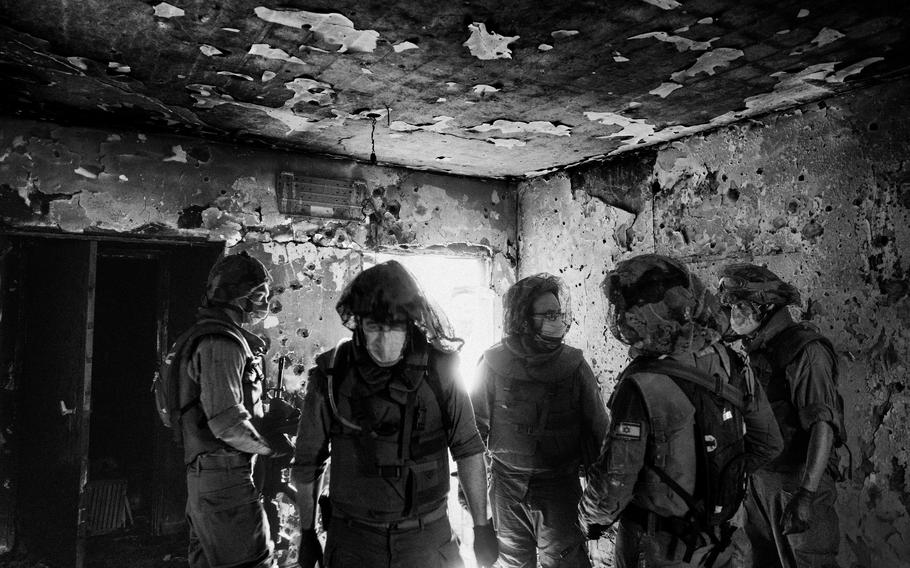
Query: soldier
point(222, 420)
point(539, 409)
point(684, 399)
point(387, 408)
point(790, 516)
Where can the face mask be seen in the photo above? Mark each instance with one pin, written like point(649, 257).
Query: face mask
point(553, 329)
point(385, 346)
point(743, 319)
point(256, 305)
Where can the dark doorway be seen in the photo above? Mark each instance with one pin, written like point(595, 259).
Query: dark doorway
point(122, 430)
point(98, 481)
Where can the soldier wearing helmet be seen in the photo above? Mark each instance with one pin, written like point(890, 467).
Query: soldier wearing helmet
point(648, 477)
point(221, 384)
point(539, 409)
point(790, 515)
point(385, 405)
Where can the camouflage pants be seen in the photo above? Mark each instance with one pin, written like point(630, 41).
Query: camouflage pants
point(538, 522)
point(228, 526)
point(353, 545)
point(765, 546)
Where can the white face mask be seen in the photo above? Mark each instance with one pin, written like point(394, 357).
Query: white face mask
point(385, 342)
point(256, 306)
point(744, 319)
point(553, 329)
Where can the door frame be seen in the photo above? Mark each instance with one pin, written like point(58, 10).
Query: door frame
point(139, 247)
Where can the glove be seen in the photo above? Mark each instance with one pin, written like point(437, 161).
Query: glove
point(798, 512)
point(280, 444)
point(310, 549)
point(594, 531)
point(486, 547)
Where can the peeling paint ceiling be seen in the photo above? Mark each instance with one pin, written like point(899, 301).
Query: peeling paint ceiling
point(485, 88)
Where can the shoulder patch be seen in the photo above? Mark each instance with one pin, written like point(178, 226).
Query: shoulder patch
point(628, 430)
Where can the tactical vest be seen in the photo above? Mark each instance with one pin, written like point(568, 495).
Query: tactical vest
point(770, 363)
point(389, 439)
point(535, 418)
point(671, 417)
point(197, 436)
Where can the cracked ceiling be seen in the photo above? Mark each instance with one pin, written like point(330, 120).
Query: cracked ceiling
point(497, 89)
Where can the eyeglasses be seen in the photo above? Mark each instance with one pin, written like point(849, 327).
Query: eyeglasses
point(731, 283)
point(552, 315)
point(374, 326)
point(259, 294)
point(736, 283)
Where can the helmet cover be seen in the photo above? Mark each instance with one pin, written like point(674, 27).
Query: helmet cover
point(388, 292)
point(235, 276)
point(755, 284)
point(658, 307)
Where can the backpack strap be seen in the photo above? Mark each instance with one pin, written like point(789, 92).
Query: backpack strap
point(436, 386)
point(187, 341)
point(330, 371)
point(713, 383)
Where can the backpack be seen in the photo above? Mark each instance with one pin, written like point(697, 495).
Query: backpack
point(720, 479)
point(166, 383)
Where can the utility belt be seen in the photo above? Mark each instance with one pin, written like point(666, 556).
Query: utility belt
point(220, 461)
point(411, 523)
point(651, 521)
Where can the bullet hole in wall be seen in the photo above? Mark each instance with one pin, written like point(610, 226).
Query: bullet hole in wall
point(191, 217)
point(880, 241)
point(199, 153)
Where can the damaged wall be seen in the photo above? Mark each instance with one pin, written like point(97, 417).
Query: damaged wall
point(822, 196)
point(122, 182)
point(130, 184)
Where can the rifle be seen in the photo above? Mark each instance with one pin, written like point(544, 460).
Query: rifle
point(282, 417)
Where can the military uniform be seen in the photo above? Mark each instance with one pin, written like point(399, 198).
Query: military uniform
point(542, 416)
point(227, 522)
point(652, 424)
point(798, 369)
point(388, 497)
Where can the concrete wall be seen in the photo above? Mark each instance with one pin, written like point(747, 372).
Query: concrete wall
point(126, 182)
point(822, 196)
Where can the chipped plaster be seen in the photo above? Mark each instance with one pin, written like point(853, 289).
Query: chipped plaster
point(518, 127)
point(708, 63)
point(224, 193)
point(682, 44)
point(819, 196)
point(165, 10)
point(331, 29)
point(487, 45)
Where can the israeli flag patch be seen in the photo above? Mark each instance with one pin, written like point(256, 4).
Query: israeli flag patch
point(628, 430)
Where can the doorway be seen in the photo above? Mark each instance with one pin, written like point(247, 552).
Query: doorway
point(98, 478)
point(120, 491)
